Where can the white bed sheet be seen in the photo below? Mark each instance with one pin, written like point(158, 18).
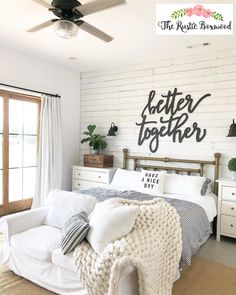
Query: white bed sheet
point(207, 202)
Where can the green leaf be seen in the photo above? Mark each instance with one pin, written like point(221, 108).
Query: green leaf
point(217, 16)
point(178, 13)
point(86, 133)
point(91, 128)
point(85, 140)
point(232, 164)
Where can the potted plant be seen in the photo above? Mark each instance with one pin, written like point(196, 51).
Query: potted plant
point(96, 142)
point(232, 168)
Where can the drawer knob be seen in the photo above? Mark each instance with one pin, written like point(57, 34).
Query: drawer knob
point(232, 208)
point(99, 176)
point(233, 194)
point(231, 225)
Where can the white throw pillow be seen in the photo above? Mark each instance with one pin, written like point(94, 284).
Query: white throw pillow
point(126, 179)
point(183, 184)
point(63, 205)
point(110, 221)
point(152, 182)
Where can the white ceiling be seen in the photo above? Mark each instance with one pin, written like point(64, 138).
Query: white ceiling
point(132, 26)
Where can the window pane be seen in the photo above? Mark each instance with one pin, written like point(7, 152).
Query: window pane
point(16, 116)
point(1, 114)
point(1, 194)
point(15, 184)
point(28, 182)
point(30, 118)
point(15, 151)
point(30, 151)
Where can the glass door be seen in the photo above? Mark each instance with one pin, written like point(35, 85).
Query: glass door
point(19, 142)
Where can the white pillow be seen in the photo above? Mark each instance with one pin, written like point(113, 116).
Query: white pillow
point(126, 179)
point(63, 205)
point(110, 221)
point(152, 182)
point(183, 184)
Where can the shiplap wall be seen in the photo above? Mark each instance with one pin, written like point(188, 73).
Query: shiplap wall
point(119, 95)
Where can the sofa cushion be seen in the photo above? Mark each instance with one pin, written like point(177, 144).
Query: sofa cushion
point(74, 232)
point(63, 205)
point(38, 242)
point(64, 261)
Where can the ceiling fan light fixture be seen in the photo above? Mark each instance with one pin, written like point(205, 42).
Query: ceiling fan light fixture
point(65, 29)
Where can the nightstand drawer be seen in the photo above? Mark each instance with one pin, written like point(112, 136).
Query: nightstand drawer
point(83, 184)
point(228, 224)
point(229, 193)
point(228, 208)
point(90, 175)
point(86, 177)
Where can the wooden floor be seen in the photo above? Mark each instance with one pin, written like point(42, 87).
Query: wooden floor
point(10, 284)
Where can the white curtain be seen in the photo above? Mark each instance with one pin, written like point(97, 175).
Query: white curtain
point(49, 166)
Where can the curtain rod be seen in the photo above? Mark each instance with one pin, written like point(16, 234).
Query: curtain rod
point(26, 89)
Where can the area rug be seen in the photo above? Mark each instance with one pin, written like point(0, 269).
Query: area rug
point(202, 277)
point(206, 278)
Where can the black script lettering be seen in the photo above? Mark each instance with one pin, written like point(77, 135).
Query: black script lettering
point(191, 108)
point(170, 102)
point(166, 25)
point(144, 134)
point(173, 126)
point(185, 27)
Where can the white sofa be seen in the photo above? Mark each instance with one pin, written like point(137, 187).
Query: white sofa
point(33, 252)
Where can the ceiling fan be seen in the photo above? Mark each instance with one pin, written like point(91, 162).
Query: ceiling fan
point(70, 14)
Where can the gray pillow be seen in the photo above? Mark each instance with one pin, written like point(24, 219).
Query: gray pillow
point(74, 232)
point(205, 187)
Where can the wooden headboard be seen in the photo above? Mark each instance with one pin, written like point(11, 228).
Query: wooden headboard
point(139, 163)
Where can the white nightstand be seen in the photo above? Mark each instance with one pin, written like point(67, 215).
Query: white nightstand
point(226, 219)
point(86, 177)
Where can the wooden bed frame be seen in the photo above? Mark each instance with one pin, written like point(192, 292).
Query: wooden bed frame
point(138, 163)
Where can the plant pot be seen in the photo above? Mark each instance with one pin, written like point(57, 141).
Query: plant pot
point(94, 152)
point(233, 175)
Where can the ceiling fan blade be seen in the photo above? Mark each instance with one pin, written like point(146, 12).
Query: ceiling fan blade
point(94, 31)
point(44, 3)
point(97, 5)
point(41, 26)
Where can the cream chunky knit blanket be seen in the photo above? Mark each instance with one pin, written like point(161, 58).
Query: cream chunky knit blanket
point(153, 246)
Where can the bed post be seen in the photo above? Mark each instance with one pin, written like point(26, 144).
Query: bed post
point(217, 170)
point(125, 153)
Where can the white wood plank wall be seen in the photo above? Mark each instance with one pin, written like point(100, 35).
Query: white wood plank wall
point(119, 95)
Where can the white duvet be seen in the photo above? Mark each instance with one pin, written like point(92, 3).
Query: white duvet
point(207, 202)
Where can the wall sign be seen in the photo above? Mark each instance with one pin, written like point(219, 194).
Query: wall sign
point(194, 19)
point(169, 116)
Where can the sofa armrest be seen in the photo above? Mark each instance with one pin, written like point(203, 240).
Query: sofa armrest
point(22, 221)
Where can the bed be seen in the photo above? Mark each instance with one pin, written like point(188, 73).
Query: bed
point(197, 213)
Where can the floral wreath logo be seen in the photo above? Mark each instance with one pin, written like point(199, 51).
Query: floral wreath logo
point(197, 10)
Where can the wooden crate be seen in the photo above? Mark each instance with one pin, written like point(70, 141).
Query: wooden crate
point(98, 161)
